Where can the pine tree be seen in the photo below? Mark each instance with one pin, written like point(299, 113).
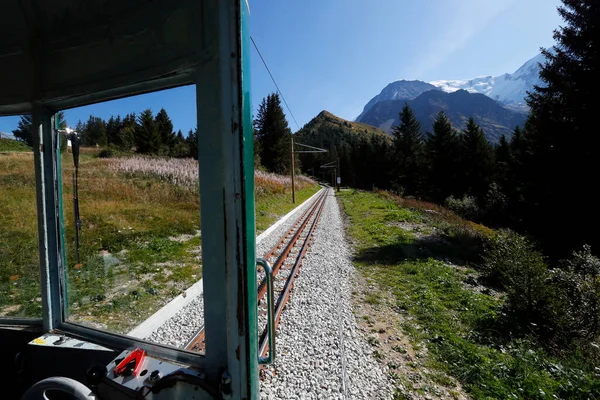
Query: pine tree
point(62, 121)
point(165, 131)
point(502, 150)
point(24, 130)
point(408, 152)
point(502, 156)
point(79, 127)
point(192, 142)
point(443, 159)
point(94, 132)
point(147, 139)
point(477, 161)
point(180, 148)
point(274, 135)
point(127, 131)
point(113, 126)
point(561, 133)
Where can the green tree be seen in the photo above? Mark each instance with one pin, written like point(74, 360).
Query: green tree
point(147, 138)
point(502, 150)
point(165, 131)
point(79, 127)
point(477, 161)
point(561, 134)
point(126, 134)
point(24, 131)
point(113, 126)
point(94, 132)
point(443, 158)
point(273, 135)
point(408, 152)
point(192, 143)
point(180, 148)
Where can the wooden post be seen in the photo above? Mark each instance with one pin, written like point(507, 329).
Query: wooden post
point(293, 173)
point(339, 173)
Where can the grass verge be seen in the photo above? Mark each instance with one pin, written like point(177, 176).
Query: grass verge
point(418, 251)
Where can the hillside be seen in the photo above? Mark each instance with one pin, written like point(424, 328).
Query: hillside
point(327, 121)
point(355, 144)
point(494, 119)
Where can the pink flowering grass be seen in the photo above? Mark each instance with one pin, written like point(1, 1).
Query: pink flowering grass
point(184, 172)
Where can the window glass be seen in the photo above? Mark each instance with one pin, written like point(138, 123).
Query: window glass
point(131, 210)
point(20, 294)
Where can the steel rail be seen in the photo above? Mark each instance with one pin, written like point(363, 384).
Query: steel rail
point(289, 284)
point(197, 342)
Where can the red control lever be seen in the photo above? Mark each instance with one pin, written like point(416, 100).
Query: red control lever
point(131, 364)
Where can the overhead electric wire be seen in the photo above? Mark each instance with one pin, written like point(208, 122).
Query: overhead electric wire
point(273, 79)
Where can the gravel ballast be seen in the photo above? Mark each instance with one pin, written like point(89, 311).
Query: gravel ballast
point(321, 353)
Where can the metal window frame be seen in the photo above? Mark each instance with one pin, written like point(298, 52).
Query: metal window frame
point(227, 175)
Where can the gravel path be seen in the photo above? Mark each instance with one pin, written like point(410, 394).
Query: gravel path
point(321, 353)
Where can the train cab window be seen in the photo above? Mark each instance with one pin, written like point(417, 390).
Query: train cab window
point(132, 215)
point(20, 294)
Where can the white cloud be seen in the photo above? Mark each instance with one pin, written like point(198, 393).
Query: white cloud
point(464, 20)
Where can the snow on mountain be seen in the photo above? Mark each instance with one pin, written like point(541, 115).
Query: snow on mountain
point(507, 89)
point(398, 90)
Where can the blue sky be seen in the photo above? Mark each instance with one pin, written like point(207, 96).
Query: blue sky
point(336, 55)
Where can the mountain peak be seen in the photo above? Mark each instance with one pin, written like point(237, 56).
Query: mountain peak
point(325, 118)
point(398, 90)
point(326, 114)
point(494, 119)
point(507, 89)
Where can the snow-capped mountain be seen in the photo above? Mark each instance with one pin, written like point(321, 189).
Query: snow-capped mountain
point(407, 90)
point(507, 89)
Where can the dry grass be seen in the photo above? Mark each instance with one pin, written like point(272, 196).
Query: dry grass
point(130, 208)
point(184, 172)
point(269, 183)
point(442, 217)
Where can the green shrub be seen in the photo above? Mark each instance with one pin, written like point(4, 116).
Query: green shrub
point(512, 262)
point(107, 153)
point(575, 306)
point(495, 205)
point(465, 207)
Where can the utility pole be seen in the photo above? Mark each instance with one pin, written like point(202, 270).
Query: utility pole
point(293, 175)
point(334, 176)
point(338, 176)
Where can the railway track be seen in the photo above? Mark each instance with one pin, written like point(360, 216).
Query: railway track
point(286, 258)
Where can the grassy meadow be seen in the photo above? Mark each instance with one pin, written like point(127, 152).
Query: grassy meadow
point(13, 146)
point(426, 258)
point(139, 241)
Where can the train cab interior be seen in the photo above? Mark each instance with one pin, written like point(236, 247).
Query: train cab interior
point(59, 54)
